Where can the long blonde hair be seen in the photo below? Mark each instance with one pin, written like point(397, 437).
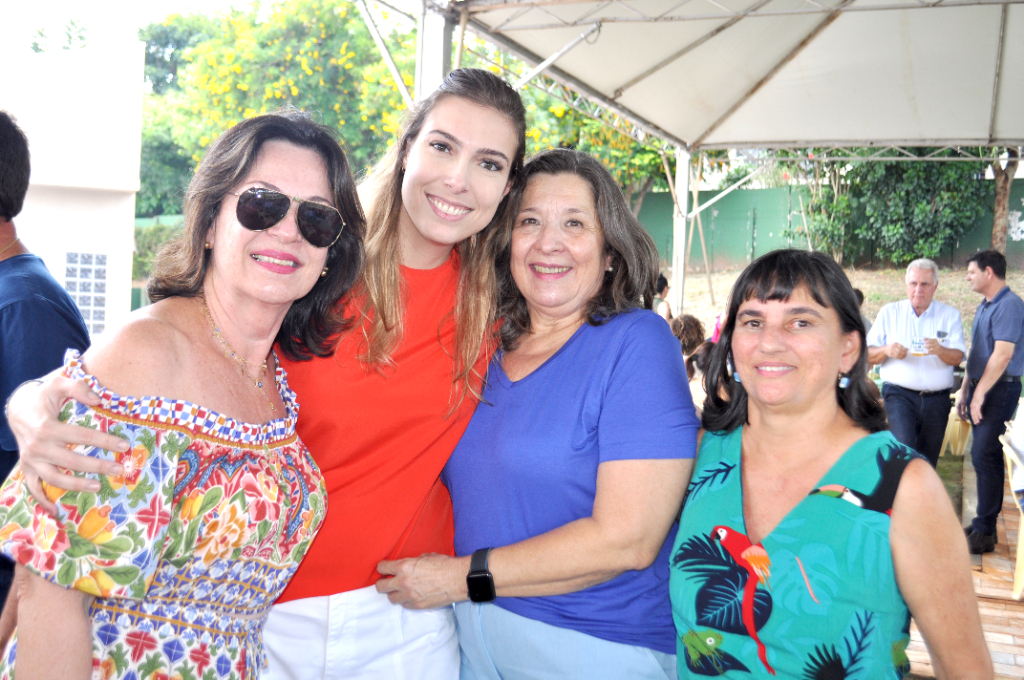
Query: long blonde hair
point(382, 289)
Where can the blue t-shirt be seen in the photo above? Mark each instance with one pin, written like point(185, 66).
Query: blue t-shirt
point(1002, 318)
point(38, 322)
point(528, 463)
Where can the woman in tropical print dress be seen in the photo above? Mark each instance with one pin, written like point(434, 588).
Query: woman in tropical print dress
point(170, 568)
point(809, 535)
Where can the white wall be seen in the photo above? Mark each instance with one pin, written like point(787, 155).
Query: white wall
point(82, 112)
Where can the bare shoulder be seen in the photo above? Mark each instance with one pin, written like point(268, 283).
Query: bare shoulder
point(921, 477)
point(145, 355)
point(922, 511)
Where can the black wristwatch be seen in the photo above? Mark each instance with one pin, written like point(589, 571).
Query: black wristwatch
point(479, 581)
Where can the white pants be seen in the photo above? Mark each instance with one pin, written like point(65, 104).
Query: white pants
point(359, 635)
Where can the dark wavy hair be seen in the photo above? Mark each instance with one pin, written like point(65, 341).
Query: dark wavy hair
point(314, 321)
point(634, 258)
point(775, 276)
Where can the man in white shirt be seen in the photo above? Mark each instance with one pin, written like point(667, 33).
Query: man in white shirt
point(918, 342)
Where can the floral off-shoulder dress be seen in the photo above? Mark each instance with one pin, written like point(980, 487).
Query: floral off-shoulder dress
point(186, 551)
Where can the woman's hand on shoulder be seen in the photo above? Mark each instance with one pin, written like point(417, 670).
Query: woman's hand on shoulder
point(933, 571)
point(44, 442)
point(425, 582)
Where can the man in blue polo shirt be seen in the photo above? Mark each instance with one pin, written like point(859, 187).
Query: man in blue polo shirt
point(38, 320)
point(918, 342)
point(991, 387)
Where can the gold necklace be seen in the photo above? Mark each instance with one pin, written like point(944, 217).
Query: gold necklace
point(16, 239)
point(242, 363)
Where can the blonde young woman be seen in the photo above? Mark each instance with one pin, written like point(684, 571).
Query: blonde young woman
point(382, 415)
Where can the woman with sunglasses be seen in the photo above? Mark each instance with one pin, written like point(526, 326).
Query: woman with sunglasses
point(383, 414)
point(170, 566)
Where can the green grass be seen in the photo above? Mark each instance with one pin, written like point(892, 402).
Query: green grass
point(951, 471)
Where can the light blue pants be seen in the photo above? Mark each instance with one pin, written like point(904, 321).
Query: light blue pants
point(499, 645)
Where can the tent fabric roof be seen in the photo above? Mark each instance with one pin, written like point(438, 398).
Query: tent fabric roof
point(749, 73)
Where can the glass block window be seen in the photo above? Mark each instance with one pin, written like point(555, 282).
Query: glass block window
point(85, 280)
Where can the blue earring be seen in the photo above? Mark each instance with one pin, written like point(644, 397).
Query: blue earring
point(728, 367)
point(844, 382)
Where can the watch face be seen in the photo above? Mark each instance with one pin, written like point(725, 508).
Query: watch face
point(481, 587)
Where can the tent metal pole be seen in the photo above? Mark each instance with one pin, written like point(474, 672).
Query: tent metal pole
point(539, 68)
point(433, 49)
point(695, 219)
point(384, 52)
point(689, 48)
point(771, 74)
point(682, 192)
point(731, 189)
point(584, 90)
point(995, 80)
point(460, 45)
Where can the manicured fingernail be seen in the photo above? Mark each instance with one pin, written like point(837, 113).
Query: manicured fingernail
point(123, 446)
point(94, 486)
point(118, 470)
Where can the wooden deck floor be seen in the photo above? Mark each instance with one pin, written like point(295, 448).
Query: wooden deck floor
point(1002, 618)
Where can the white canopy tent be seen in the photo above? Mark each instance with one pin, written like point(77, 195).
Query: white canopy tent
point(780, 73)
point(749, 73)
point(709, 74)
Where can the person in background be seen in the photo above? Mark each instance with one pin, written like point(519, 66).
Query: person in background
point(860, 305)
point(38, 319)
point(661, 306)
point(918, 342)
point(690, 332)
point(796, 483)
point(170, 568)
point(561, 525)
point(696, 367)
point(991, 387)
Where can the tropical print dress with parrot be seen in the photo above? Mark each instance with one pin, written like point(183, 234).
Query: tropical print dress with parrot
point(187, 549)
point(815, 599)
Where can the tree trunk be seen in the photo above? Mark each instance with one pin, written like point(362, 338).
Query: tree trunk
point(1001, 211)
point(640, 198)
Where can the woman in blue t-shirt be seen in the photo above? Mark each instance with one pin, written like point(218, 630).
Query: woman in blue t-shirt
point(570, 476)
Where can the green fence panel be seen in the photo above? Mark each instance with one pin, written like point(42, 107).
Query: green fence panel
point(750, 222)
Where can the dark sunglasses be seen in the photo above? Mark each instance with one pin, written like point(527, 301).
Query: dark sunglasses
point(259, 209)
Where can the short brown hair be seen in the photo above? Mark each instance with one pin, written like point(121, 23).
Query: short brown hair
point(634, 258)
point(181, 266)
point(690, 332)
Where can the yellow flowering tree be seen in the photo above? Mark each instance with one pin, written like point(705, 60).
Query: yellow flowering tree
point(315, 55)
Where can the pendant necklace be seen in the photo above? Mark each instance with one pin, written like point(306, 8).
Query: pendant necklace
point(242, 363)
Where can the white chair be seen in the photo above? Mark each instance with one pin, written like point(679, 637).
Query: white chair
point(1013, 443)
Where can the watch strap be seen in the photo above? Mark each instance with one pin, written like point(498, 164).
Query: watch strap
point(478, 563)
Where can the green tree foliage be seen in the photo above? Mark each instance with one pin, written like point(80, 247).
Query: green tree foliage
point(316, 55)
point(166, 44)
point(148, 241)
point(916, 210)
point(74, 37)
point(166, 167)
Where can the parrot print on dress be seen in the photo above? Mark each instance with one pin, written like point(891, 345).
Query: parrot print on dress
point(755, 560)
point(704, 656)
point(883, 496)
